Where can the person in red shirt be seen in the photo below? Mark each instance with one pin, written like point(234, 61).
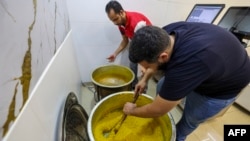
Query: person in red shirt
point(128, 23)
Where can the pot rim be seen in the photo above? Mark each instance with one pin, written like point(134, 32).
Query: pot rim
point(89, 126)
point(101, 85)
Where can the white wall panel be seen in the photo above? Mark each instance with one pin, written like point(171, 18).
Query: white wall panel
point(41, 118)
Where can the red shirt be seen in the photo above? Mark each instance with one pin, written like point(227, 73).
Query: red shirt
point(134, 22)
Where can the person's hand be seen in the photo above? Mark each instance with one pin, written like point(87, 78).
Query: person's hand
point(128, 108)
point(111, 58)
point(140, 87)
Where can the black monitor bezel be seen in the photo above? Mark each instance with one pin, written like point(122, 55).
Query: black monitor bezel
point(222, 6)
point(240, 34)
point(228, 10)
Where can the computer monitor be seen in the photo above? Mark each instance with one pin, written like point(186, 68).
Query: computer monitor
point(204, 13)
point(237, 20)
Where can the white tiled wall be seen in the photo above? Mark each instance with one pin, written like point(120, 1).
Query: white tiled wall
point(41, 118)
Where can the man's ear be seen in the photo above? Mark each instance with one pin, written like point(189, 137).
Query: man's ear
point(122, 12)
point(163, 57)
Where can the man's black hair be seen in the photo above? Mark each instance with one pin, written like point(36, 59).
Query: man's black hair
point(147, 44)
point(115, 5)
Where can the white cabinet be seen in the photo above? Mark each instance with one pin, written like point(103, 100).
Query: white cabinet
point(244, 97)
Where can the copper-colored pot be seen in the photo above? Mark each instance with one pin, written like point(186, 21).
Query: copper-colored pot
point(110, 79)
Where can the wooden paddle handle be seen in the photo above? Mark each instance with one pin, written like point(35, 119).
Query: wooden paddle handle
point(136, 97)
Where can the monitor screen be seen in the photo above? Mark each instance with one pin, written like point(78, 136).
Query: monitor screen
point(236, 18)
point(205, 13)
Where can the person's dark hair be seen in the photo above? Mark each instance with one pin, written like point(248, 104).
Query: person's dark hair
point(147, 44)
point(115, 5)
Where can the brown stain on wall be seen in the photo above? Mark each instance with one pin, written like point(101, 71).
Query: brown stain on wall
point(24, 79)
point(26, 74)
point(11, 114)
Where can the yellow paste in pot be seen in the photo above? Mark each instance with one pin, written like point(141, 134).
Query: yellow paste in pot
point(132, 129)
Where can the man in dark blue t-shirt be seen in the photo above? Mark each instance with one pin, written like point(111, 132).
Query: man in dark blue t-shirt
point(202, 62)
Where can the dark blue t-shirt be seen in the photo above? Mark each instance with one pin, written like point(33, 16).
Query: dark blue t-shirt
point(206, 59)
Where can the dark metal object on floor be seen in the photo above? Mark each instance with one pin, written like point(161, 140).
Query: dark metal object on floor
point(74, 126)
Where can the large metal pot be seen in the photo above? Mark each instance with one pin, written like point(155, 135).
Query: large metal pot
point(116, 102)
point(110, 79)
